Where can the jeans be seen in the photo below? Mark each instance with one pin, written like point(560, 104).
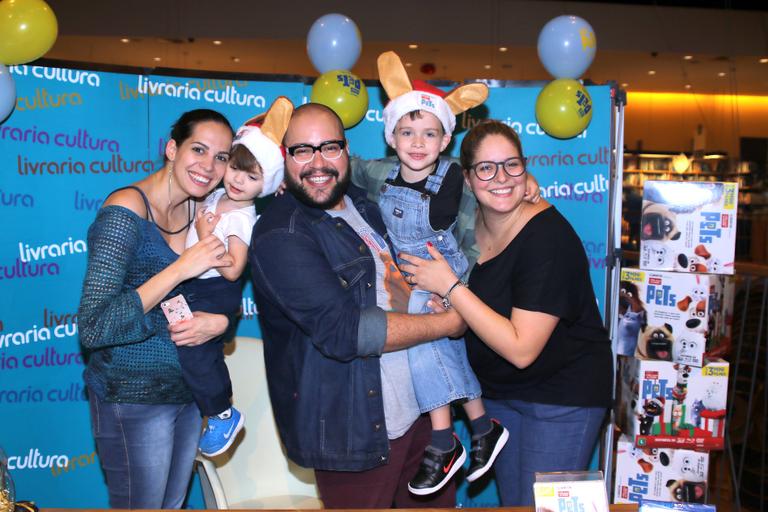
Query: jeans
point(542, 438)
point(147, 451)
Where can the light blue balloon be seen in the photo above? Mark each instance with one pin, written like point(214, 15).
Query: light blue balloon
point(567, 46)
point(333, 42)
point(7, 93)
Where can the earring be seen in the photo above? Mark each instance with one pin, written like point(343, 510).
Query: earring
point(170, 179)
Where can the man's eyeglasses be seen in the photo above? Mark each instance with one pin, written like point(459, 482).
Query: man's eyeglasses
point(304, 153)
point(486, 171)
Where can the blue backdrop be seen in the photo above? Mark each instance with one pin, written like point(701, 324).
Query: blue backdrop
point(78, 134)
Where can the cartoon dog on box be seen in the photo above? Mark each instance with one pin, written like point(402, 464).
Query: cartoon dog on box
point(687, 492)
point(655, 342)
point(656, 255)
point(690, 485)
point(652, 409)
point(701, 261)
point(646, 458)
point(632, 317)
point(687, 347)
point(658, 223)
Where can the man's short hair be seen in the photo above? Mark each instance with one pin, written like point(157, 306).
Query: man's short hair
point(316, 107)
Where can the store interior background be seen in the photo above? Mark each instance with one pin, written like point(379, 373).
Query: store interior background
point(696, 73)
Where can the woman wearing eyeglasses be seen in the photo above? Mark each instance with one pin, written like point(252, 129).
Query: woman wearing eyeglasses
point(536, 340)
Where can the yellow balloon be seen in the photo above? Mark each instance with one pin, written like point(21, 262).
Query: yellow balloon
point(564, 108)
point(28, 29)
point(344, 93)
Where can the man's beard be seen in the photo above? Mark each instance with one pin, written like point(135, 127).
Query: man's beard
point(333, 199)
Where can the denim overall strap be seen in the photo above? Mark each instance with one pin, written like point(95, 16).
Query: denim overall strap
point(393, 173)
point(435, 179)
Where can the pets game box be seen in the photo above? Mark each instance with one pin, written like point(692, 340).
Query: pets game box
point(672, 405)
point(675, 475)
point(671, 316)
point(688, 226)
point(574, 491)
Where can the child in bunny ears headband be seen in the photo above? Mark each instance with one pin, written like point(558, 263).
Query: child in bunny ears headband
point(255, 169)
point(419, 202)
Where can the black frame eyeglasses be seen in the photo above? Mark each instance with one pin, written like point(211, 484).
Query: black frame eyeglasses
point(329, 150)
point(513, 167)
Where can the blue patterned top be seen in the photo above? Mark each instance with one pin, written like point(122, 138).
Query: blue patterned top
point(131, 357)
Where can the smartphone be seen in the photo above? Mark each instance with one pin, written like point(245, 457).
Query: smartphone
point(176, 309)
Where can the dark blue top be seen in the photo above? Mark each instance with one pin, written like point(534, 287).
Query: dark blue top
point(315, 285)
point(131, 357)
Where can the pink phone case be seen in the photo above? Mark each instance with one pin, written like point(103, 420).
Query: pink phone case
point(176, 309)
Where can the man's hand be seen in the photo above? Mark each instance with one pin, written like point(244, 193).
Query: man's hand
point(399, 291)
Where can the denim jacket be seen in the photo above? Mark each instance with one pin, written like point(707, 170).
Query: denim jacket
point(315, 287)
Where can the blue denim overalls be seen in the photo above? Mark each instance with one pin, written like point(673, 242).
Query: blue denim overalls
point(440, 369)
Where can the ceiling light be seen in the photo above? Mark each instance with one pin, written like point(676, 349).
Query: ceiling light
point(125, 40)
point(487, 66)
point(687, 86)
point(681, 163)
point(156, 59)
point(763, 61)
point(652, 72)
point(216, 42)
point(413, 46)
point(688, 57)
point(503, 48)
point(408, 64)
point(235, 59)
point(625, 84)
point(721, 74)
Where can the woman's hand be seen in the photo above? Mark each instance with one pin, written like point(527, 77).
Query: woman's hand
point(532, 190)
point(435, 304)
point(199, 329)
point(205, 222)
point(433, 275)
point(208, 253)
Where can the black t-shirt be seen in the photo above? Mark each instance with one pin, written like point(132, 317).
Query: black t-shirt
point(545, 269)
point(444, 206)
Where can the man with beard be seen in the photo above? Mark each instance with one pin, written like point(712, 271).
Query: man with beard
point(331, 305)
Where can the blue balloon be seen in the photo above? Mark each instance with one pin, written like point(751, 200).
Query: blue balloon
point(7, 93)
point(567, 46)
point(333, 43)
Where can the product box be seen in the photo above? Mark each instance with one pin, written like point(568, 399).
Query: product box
point(574, 491)
point(688, 226)
point(721, 300)
point(670, 316)
point(671, 474)
point(664, 506)
point(672, 405)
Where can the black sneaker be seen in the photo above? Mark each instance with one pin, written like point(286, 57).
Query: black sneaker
point(437, 468)
point(484, 450)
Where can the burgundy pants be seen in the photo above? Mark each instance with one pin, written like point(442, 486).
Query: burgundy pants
point(386, 486)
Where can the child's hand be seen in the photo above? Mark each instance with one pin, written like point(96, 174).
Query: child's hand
point(205, 222)
point(532, 190)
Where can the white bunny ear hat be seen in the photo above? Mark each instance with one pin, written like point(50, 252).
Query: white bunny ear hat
point(406, 96)
point(263, 137)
